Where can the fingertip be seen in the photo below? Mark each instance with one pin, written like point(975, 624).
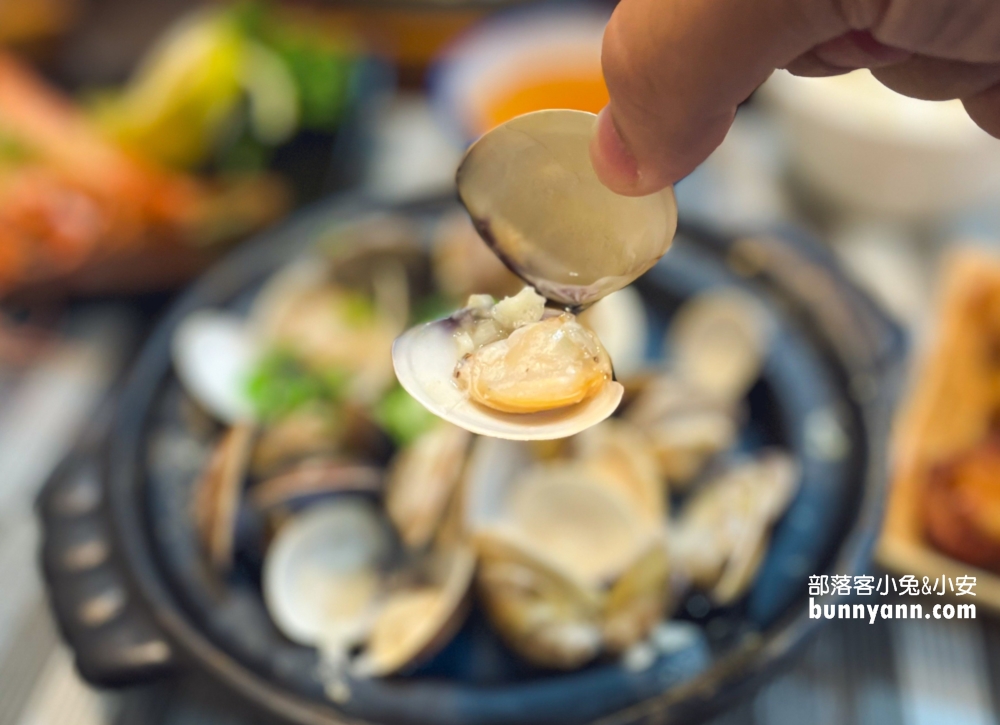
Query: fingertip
point(984, 109)
point(614, 164)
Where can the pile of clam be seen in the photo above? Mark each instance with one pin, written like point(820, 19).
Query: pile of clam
point(597, 494)
point(381, 534)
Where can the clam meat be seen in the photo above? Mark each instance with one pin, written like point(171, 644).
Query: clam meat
point(510, 369)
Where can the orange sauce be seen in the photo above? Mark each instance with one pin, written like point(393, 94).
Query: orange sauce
point(581, 93)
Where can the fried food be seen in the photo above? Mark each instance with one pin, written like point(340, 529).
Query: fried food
point(946, 442)
point(69, 197)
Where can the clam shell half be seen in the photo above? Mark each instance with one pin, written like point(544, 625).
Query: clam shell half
point(534, 197)
point(425, 358)
point(323, 574)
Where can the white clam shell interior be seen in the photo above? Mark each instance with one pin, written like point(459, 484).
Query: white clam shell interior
point(321, 575)
point(213, 355)
point(619, 321)
point(425, 357)
point(533, 193)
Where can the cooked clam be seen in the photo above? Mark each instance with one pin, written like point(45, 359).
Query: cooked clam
point(570, 565)
point(535, 199)
point(322, 575)
point(718, 341)
point(415, 622)
point(684, 425)
point(303, 433)
point(637, 601)
point(509, 370)
point(720, 537)
point(213, 355)
point(533, 196)
point(217, 495)
point(330, 327)
point(547, 617)
point(422, 481)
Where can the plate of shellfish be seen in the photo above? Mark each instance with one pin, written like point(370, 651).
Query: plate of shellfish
point(400, 465)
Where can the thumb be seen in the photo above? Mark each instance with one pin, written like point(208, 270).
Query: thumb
point(677, 69)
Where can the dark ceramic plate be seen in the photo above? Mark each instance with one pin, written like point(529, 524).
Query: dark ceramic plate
point(824, 395)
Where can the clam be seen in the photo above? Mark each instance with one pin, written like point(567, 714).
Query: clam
point(684, 425)
point(638, 599)
point(720, 537)
point(213, 355)
point(217, 495)
point(717, 342)
point(422, 481)
point(323, 574)
point(310, 481)
point(331, 327)
point(544, 615)
point(415, 622)
point(570, 565)
point(535, 199)
point(533, 196)
point(621, 456)
point(307, 432)
point(509, 370)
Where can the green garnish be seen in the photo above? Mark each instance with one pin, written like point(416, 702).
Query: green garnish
point(281, 384)
point(321, 65)
point(432, 307)
point(402, 417)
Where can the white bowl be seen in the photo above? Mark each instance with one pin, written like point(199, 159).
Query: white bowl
point(870, 150)
point(510, 51)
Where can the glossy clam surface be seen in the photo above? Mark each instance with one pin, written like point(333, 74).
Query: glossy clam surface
point(425, 359)
point(535, 199)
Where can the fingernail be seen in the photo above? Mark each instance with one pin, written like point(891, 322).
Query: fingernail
point(616, 167)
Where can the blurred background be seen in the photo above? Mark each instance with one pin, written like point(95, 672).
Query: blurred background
point(142, 142)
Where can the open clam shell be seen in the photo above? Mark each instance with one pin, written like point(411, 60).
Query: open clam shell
point(422, 481)
point(569, 564)
point(425, 358)
point(721, 535)
point(416, 622)
point(213, 355)
point(323, 574)
point(534, 197)
point(546, 616)
point(217, 495)
point(718, 342)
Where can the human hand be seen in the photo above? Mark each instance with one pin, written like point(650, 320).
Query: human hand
point(677, 69)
